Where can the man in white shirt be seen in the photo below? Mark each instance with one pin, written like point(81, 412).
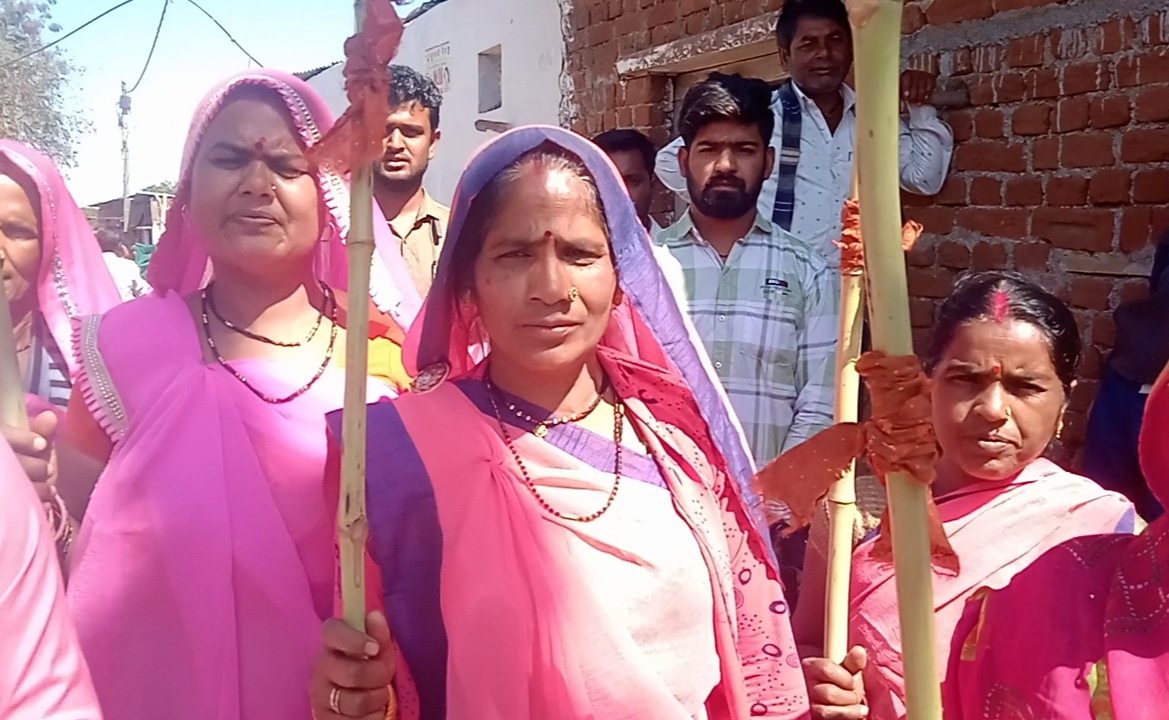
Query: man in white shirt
point(761, 299)
point(815, 129)
point(126, 273)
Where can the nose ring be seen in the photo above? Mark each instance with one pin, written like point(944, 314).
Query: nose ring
point(1008, 412)
point(573, 294)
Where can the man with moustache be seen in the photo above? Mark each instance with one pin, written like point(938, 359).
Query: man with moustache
point(416, 219)
point(761, 299)
point(815, 129)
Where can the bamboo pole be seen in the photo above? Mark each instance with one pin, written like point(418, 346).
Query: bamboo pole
point(352, 523)
point(877, 38)
point(13, 411)
point(842, 494)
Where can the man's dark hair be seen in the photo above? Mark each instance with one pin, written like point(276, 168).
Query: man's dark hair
point(794, 10)
point(720, 97)
point(628, 140)
point(407, 85)
point(109, 240)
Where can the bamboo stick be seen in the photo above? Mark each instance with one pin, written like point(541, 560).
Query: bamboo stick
point(352, 524)
point(842, 494)
point(13, 411)
point(877, 38)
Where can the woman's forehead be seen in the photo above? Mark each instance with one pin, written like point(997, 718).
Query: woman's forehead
point(248, 118)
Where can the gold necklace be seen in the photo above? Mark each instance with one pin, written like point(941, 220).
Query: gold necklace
point(542, 426)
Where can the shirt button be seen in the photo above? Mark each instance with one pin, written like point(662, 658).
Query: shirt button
point(718, 366)
point(722, 318)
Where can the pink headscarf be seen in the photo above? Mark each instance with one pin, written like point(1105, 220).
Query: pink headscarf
point(181, 263)
point(73, 280)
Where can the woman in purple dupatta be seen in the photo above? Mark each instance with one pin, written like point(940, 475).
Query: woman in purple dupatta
point(204, 565)
point(558, 509)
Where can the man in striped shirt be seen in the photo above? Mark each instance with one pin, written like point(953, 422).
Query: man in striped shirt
point(762, 300)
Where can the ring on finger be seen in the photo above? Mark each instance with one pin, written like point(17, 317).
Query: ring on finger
point(335, 700)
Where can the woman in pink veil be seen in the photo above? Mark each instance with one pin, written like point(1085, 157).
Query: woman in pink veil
point(203, 567)
point(558, 509)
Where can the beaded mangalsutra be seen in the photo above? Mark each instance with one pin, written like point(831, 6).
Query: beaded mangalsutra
point(330, 300)
point(618, 433)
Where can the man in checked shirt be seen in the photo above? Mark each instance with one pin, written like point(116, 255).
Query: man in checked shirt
point(761, 299)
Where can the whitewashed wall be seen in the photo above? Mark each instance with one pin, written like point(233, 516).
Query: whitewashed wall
point(529, 35)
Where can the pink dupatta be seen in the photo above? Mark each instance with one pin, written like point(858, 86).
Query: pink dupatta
point(73, 281)
point(526, 637)
point(1082, 634)
point(42, 673)
point(997, 529)
point(204, 565)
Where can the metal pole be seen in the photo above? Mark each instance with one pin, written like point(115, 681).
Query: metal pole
point(124, 122)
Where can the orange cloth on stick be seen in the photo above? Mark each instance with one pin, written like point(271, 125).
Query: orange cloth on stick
point(852, 250)
point(899, 438)
point(358, 137)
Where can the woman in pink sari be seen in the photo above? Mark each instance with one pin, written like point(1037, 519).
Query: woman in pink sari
point(1002, 359)
point(53, 274)
point(1083, 633)
point(204, 564)
point(557, 509)
point(42, 673)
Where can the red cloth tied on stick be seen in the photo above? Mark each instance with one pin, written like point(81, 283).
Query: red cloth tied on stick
point(852, 249)
point(358, 137)
point(898, 438)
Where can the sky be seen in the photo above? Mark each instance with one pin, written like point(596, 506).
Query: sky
point(192, 56)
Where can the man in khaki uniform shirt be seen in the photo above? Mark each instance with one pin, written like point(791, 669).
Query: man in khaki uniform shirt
point(416, 219)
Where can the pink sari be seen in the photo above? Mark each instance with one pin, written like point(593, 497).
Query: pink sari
point(997, 529)
point(668, 607)
point(1082, 634)
point(204, 565)
point(42, 673)
point(73, 280)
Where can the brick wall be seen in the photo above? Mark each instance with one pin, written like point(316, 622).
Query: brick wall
point(1061, 168)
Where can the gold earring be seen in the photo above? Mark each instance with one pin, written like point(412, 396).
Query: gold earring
point(573, 294)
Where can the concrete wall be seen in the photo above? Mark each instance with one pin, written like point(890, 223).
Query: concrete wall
point(1061, 169)
point(528, 34)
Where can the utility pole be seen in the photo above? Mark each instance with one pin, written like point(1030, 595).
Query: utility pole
point(124, 124)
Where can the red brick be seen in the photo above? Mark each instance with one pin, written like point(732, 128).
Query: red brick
point(1075, 229)
point(995, 222)
point(1139, 146)
point(953, 191)
point(1032, 256)
point(1024, 191)
point(923, 253)
point(1042, 84)
point(986, 191)
point(1071, 114)
point(1010, 87)
point(1026, 52)
point(1134, 291)
point(1005, 5)
point(933, 282)
point(1152, 103)
point(1115, 35)
point(1151, 186)
point(953, 254)
point(921, 312)
point(1104, 331)
point(991, 156)
point(937, 220)
point(962, 123)
point(1153, 66)
point(1136, 228)
point(1087, 150)
point(1110, 112)
point(982, 91)
point(961, 61)
point(1031, 119)
point(944, 12)
point(912, 20)
point(1091, 360)
point(1086, 77)
point(1110, 186)
point(1091, 293)
point(1045, 153)
point(1065, 190)
point(989, 124)
point(990, 256)
point(1127, 73)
